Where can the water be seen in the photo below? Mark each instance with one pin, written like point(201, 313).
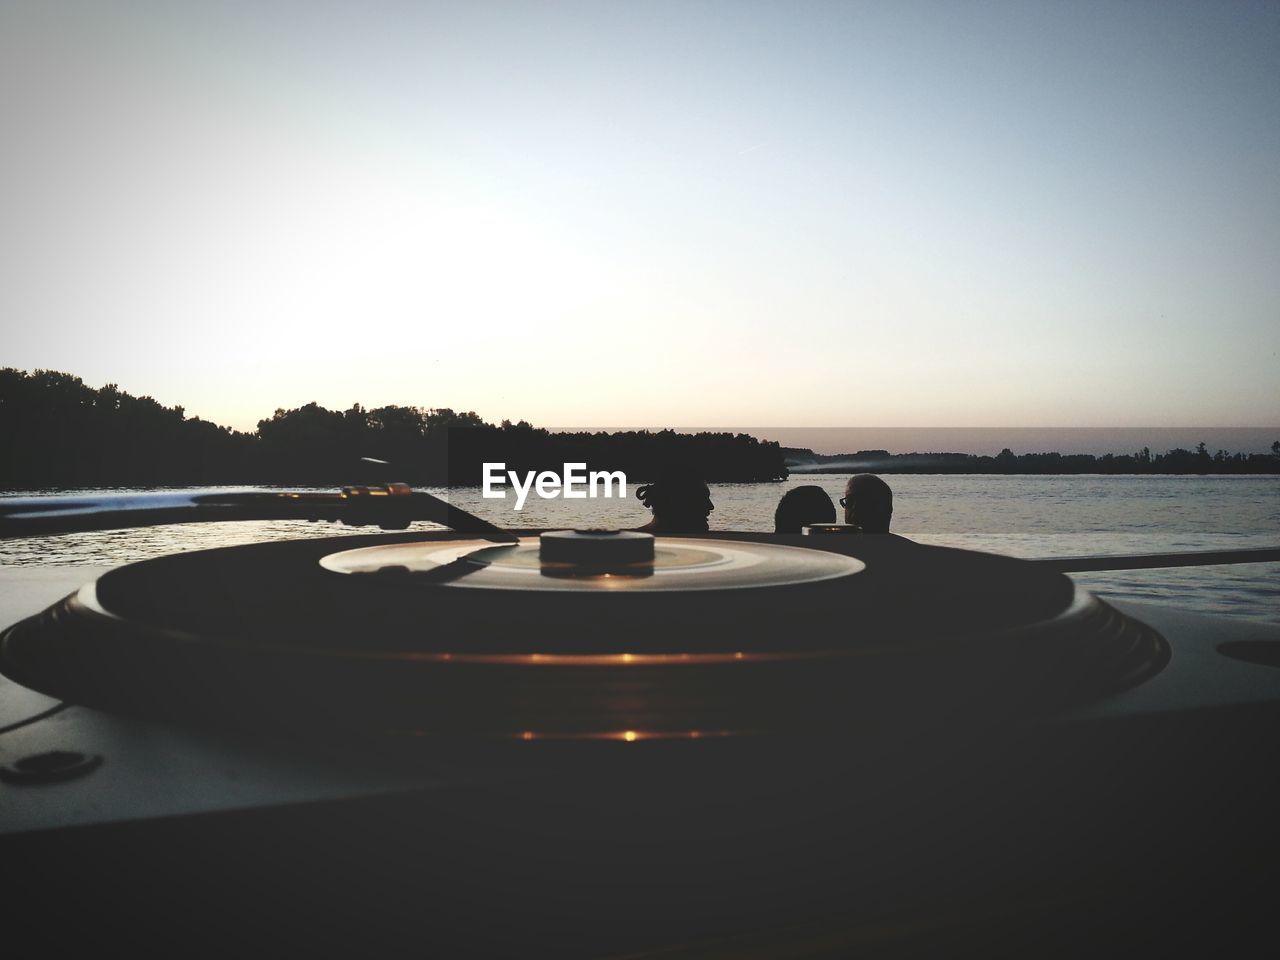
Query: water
point(1042, 516)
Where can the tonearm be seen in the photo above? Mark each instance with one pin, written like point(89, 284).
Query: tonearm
point(390, 506)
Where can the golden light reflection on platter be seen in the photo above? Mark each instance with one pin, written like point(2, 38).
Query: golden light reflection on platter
point(615, 736)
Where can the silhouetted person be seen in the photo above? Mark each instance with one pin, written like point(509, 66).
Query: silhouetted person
point(868, 503)
point(801, 506)
point(680, 504)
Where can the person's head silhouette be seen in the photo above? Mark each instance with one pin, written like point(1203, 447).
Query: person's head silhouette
point(801, 506)
point(680, 504)
point(868, 503)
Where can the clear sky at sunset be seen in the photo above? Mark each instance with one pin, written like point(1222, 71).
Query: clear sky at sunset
point(819, 214)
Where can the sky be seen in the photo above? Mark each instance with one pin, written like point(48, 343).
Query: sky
point(797, 213)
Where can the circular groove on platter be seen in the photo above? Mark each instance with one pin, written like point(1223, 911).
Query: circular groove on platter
point(678, 564)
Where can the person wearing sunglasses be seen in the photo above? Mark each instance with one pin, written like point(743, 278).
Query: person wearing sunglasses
point(868, 503)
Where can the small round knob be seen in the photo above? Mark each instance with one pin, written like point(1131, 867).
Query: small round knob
point(50, 767)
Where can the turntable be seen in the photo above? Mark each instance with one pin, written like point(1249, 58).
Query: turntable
point(601, 742)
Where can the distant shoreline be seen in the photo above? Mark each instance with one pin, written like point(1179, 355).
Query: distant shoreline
point(988, 441)
point(1177, 462)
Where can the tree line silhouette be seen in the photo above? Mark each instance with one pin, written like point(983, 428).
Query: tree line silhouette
point(55, 431)
point(1178, 461)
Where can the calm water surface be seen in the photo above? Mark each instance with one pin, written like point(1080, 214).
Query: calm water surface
point(1054, 516)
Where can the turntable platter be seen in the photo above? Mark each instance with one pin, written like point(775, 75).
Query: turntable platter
point(596, 635)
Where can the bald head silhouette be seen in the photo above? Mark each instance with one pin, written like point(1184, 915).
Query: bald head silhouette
point(868, 503)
